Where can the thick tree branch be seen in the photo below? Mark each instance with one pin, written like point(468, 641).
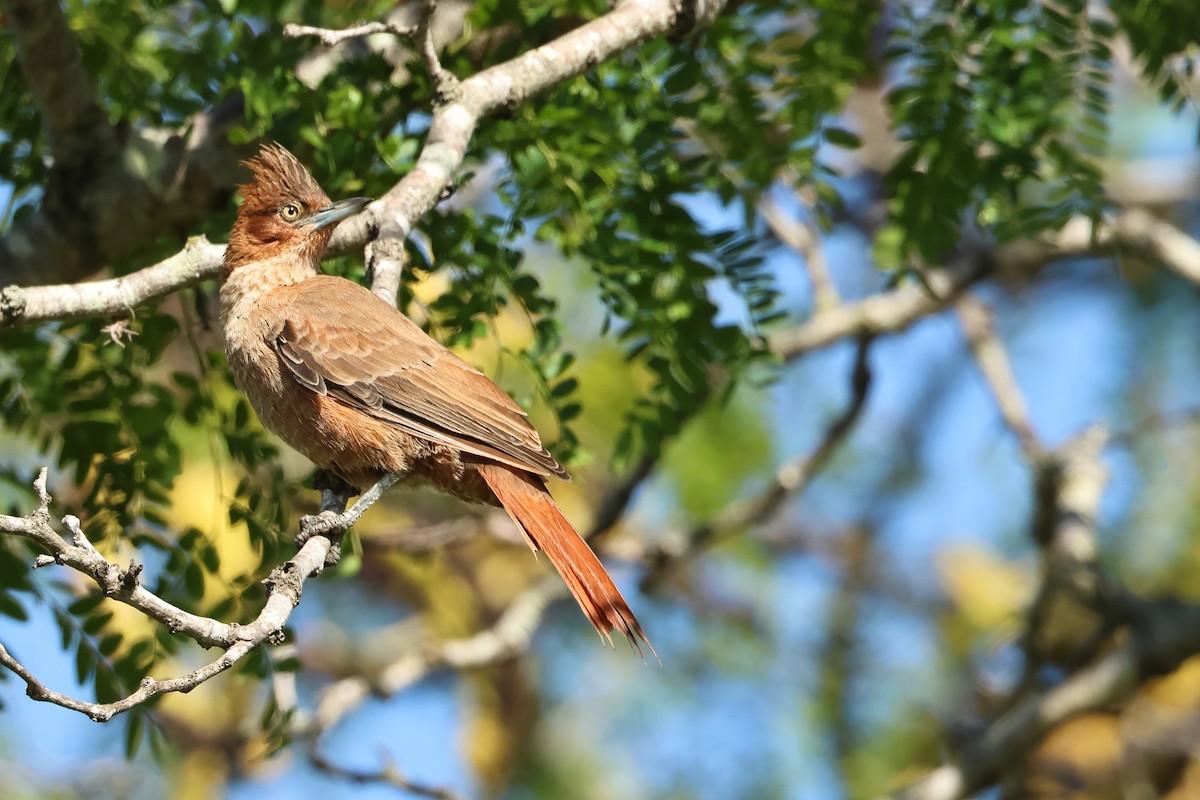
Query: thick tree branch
point(99, 211)
point(882, 314)
point(1066, 619)
point(1161, 638)
point(1068, 612)
point(385, 267)
point(893, 312)
point(197, 261)
point(1179, 252)
point(76, 124)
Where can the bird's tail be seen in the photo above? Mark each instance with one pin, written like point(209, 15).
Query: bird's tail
point(526, 500)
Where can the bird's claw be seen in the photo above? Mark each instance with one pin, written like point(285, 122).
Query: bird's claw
point(323, 524)
point(334, 556)
point(329, 524)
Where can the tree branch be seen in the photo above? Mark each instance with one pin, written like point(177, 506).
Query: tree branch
point(790, 479)
point(122, 585)
point(1178, 251)
point(895, 311)
point(977, 323)
point(616, 501)
point(504, 86)
point(197, 261)
point(1065, 618)
point(330, 38)
point(37, 241)
point(385, 267)
point(97, 212)
point(882, 314)
point(1161, 638)
point(284, 586)
point(389, 774)
point(805, 239)
point(511, 635)
point(445, 84)
point(76, 124)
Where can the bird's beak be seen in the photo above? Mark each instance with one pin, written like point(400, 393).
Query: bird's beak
point(333, 214)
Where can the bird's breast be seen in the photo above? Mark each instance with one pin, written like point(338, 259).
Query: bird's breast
point(356, 446)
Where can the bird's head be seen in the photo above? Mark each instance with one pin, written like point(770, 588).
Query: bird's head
point(284, 212)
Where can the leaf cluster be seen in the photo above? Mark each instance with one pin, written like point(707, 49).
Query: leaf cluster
point(1003, 112)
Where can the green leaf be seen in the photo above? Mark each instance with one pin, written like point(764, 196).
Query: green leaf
point(10, 607)
point(841, 137)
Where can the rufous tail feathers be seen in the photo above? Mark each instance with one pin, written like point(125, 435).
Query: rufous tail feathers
point(526, 500)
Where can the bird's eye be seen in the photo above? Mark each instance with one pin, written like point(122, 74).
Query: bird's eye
point(290, 212)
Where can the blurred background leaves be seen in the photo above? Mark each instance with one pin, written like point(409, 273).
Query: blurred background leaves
point(610, 260)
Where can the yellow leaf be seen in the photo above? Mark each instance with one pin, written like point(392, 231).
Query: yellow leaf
point(987, 589)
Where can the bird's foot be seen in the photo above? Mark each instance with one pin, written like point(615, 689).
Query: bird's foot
point(334, 520)
point(330, 524)
point(322, 524)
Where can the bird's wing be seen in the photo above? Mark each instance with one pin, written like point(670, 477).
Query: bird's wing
point(340, 340)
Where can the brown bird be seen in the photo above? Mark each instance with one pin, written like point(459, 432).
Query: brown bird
point(362, 391)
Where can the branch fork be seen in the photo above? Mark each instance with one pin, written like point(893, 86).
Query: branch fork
point(284, 587)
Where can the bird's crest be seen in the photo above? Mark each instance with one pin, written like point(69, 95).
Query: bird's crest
point(279, 176)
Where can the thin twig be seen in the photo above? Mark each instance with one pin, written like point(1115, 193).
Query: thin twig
point(329, 522)
point(976, 320)
point(615, 503)
point(790, 480)
point(444, 83)
point(147, 689)
point(331, 38)
point(387, 775)
point(511, 635)
point(805, 239)
point(122, 585)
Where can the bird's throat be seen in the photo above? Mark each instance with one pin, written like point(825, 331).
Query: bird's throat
point(250, 282)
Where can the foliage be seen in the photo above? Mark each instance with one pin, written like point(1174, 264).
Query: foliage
point(1004, 115)
point(1002, 111)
